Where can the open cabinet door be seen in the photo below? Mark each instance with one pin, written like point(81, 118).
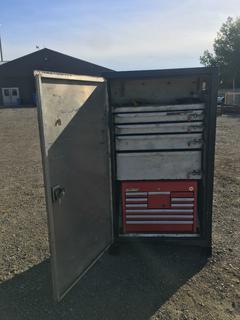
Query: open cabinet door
point(72, 114)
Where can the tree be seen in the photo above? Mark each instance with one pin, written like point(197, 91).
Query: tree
point(226, 53)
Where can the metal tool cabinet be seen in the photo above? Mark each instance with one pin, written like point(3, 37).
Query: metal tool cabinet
point(126, 156)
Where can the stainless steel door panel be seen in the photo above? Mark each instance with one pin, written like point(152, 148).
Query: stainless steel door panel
point(73, 128)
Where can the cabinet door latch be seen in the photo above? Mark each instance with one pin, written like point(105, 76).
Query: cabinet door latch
point(58, 193)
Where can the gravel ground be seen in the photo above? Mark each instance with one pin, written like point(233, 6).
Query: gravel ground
point(23, 237)
point(144, 281)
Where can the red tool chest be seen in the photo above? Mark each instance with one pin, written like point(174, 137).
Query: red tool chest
point(159, 206)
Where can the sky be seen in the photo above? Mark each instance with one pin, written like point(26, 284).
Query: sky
point(120, 34)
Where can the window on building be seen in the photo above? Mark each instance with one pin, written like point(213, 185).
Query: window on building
point(6, 92)
point(14, 92)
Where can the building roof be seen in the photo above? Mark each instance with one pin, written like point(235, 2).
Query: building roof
point(50, 60)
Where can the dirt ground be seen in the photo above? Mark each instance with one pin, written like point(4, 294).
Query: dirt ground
point(143, 281)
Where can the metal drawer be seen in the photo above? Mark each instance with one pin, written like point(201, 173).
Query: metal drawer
point(158, 142)
point(153, 108)
point(159, 165)
point(151, 117)
point(159, 128)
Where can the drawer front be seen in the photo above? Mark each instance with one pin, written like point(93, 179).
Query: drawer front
point(186, 127)
point(158, 142)
point(152, 108)
point(151, 117)
point(162, 208)
point(159, 165)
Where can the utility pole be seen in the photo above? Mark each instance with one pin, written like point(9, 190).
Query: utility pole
point(1, 52)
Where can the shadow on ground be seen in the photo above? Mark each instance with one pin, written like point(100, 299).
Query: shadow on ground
point(131, 285)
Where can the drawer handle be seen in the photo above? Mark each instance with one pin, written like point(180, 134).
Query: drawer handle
point(193, 116)
point(195, 128)
point(195, 173)
point(195, 141)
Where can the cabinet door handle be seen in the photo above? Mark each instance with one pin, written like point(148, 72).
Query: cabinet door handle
point(58, 193)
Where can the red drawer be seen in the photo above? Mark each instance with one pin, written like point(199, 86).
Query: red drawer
point(159, 206)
